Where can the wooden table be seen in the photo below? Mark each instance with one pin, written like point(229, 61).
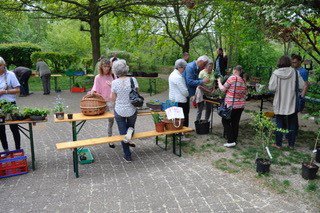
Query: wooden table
point(28, 132)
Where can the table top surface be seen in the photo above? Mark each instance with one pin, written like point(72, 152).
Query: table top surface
point(26, 121)
point(106, 115)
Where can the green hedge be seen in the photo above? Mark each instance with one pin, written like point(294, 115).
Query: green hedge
point(58, 62)
point(18, 54)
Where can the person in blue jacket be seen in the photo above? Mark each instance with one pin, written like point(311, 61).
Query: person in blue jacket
point(191, 74)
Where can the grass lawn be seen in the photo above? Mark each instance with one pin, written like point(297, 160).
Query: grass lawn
point(63, 83)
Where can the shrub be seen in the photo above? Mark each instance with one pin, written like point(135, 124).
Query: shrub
point(59, 62)
point(18, 54)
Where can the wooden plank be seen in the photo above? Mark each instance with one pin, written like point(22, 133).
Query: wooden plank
point(26, 121)
point(82, 117)
point(116, 138)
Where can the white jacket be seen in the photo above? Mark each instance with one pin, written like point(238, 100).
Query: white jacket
point(283, 82)
point(178, 91)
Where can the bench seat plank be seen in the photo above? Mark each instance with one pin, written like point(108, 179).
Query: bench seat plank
point(116, 138)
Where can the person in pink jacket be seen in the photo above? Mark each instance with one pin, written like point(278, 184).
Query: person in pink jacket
point(102, 86)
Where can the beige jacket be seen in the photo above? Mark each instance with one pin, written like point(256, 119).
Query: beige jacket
point(283, 82)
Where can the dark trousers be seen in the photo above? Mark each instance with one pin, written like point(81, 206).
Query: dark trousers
point(231, 126)
point(289, 122)
point(46, 83)
point(208, 107)
point(186, 109)
point(16, 135)
point(123, 124)
point(23, 80)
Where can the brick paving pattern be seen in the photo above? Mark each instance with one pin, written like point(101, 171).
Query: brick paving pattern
point(156, 181)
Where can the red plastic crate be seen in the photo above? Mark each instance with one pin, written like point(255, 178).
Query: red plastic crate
point(13, 163)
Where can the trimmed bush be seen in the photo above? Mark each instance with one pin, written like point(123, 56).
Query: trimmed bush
point(58, 62)
point(18, 54)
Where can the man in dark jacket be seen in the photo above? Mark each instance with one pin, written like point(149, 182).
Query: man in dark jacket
point(221, 63)
point(23, 74)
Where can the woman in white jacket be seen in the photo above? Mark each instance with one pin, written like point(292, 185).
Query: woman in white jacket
point(178, 91)
point(283, 81)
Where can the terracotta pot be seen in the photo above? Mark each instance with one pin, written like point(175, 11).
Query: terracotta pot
point(160, 127)
point(60, 115)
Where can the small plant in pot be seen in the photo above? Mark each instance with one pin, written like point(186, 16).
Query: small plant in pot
point(59, 108)
point(157, 119)
point(7, 109)
point(36, 113)
point(265, 129)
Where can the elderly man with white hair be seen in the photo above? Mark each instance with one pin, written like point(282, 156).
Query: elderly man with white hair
point(191, 74)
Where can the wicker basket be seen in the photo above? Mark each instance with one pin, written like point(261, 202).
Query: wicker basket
point(93, 104)
point(169, 124)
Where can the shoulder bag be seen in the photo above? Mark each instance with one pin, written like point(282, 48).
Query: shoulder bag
point(135, 98)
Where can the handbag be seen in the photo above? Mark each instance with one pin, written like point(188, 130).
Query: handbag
point(224, 111)
point(135, 98)
point(300, 101)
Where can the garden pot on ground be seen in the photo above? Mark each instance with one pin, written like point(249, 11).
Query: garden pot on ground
point(60, 115)
point(160, 127)
point(318, 155)
point(309, 171)
point(202, 127)
point(263, 165)
point(78, 89)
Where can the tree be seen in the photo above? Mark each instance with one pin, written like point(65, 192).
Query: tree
point(88, 11)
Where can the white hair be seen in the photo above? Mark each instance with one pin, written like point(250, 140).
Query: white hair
point(203, 58)
point(2, 61)
point(180, 63)
point(209, 63)
point(120, 68)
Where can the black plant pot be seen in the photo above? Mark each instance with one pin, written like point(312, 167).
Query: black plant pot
point(2, 119)
point(202, 127)
point(318, 155)
point(70, 116)
point(263, 165)
point(309, 171)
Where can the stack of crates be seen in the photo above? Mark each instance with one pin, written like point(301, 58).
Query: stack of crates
point(13, 163)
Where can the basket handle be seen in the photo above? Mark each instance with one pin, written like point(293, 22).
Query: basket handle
point(174, 123)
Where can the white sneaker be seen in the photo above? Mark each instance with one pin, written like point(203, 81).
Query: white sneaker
point(230, 144)
point(129, 134)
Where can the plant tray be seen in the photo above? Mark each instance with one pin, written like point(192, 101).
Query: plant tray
point(88, 155)
point(13, 163)
point(78, 89)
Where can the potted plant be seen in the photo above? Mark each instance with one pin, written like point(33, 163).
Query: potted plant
point(36, 113)
point(154, 105)
point(59, 108)
point(265, 129)
point(157, 119)
point(77, 88)
point(16, 114)
point(7, 109)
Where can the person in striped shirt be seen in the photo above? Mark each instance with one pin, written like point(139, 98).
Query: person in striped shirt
point(236, 91)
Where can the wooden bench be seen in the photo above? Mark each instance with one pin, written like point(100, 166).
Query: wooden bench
point(176, 138)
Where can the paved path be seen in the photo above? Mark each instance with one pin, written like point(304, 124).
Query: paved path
point(156, 181)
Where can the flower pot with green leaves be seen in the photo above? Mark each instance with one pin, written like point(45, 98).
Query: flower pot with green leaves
point(264, 137)
point(157, 119)
point(7, 109)
point(59, 108)
point(17, 115)
point(36, 113)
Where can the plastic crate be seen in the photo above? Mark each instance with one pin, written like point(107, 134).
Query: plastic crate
point(13, 163)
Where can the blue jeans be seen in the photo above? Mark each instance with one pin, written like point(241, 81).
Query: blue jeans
point(123, 124)
point(290, 123)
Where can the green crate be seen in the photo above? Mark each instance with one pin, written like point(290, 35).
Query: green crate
point(88, 154)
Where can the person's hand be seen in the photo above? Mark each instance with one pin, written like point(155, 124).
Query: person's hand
point(206, 80)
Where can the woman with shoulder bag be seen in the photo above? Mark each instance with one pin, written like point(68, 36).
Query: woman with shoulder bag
point(236, 91)
point(124, 112)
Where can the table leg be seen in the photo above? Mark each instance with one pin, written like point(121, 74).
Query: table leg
point(211, 122)
point(75, 151)
point(32, 147)
point(261, 105)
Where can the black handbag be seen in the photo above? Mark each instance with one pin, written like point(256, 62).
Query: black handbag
point(224, 111)
point(300, 101)
point(135, 99)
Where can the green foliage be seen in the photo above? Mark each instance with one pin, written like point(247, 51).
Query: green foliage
point(59, 105)
point(18, 54)
point(157, 118)
point(312, 186)
point(28, 111)
point(58, 61)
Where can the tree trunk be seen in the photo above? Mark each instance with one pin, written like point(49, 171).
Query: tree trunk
point(95, 39)
point(186, 46)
